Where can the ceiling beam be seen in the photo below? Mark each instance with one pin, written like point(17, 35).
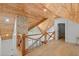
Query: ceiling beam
point(32, 26)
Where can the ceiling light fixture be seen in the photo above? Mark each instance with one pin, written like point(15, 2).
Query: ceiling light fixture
point(7, 35)
point(45, 10)
point(7, 20)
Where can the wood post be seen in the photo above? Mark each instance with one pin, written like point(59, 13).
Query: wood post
point(45, 41)
point(21, 44)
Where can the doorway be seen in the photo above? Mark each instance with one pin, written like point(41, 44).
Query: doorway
point(61, 31)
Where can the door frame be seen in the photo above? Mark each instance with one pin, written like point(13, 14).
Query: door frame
point(56, 22)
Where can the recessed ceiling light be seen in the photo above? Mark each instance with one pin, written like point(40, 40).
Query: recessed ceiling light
point(7, 34)
point(7, 20)
point(45, 10)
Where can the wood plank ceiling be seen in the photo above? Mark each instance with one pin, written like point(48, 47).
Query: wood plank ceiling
point(36, 13)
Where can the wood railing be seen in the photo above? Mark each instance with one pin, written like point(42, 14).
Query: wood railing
point(43, 38)
point(46, 36)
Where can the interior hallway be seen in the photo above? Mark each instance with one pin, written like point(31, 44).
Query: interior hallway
point(56, 48)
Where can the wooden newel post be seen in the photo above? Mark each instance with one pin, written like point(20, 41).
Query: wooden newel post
point(45, 36)
point(23, 44)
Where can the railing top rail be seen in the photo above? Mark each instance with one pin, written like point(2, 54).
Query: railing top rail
point(33, 34)
point(39, 34)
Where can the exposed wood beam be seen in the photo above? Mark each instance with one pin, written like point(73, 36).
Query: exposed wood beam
point(37, 23)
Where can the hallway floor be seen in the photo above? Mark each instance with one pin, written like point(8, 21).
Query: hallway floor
point(56, 48)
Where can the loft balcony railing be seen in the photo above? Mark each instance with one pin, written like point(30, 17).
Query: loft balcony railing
point(26, 43)
point(36, 40)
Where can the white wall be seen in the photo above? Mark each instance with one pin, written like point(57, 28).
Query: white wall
point(0, 45)
point(7, 47)
point(71, 30)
